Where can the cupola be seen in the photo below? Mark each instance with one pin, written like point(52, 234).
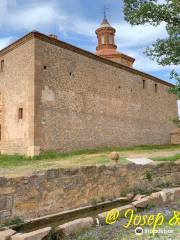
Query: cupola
point(106, 44)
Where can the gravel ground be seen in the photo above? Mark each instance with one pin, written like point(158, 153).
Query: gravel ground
point(118, 232)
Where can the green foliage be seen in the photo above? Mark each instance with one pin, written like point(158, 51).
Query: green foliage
point(14, 221)
point(175, 90)
point(164, 51)
point(148, 176)
point(176, 120)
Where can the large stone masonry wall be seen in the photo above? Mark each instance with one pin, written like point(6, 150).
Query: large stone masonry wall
point(62, 189)
point(17, 91)
point(85, 103)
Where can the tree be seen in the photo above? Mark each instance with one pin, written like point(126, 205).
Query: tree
point(164, 51)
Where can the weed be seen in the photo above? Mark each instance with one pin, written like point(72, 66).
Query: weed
point(94, 202)
point(14, 221)
point(148, 176)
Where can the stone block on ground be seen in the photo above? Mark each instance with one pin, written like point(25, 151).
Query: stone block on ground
point(156, 198)
point(75, 226)
point(142, 203)
point(102, 216)
point(138, 197)
point(170, 194)
point(5, 235)
point(35, 235)
point(130, 196)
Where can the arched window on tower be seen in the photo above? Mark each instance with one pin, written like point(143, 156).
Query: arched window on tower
point(110, 39)
point(103, 38)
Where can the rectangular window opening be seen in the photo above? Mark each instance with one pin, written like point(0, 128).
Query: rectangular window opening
point(20, 113)
point(156, 87)
point(2, 65)
point(144, 84)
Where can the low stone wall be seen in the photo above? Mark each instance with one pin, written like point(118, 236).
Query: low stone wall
point(57, 190)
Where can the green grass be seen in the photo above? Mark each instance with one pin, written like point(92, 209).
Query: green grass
point(170, 158)
point(14, 221)
point(80, 157)
point(48, 158)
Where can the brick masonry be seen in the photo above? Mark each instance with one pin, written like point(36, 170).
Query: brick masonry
point(57, 190)
point(82, 103)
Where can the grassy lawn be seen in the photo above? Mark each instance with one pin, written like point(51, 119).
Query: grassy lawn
point(169, 158)
point(86, 157)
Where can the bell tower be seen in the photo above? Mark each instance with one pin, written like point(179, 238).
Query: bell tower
point(105, 34)
point(106, 44)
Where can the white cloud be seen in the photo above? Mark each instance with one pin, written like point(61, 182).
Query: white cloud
point(41, 14)
point(78, 26)
point(132, 36)
point(38, 15)
point(161, 1)
point(144, 63)
point(131, 40)
point(5, 41)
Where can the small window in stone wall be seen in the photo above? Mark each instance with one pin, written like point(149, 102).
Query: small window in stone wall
point(156, 87)
point(2, 65)
point(20, 113)
point(144, 84)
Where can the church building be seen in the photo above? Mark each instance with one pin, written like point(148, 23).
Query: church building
point(55, 96)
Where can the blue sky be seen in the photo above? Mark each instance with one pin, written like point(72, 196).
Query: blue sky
point(75, 21)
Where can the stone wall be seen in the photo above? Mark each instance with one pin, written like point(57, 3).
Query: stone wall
point(17, 91)
point(73, 99)
point(62, 189)
point(85, 103)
